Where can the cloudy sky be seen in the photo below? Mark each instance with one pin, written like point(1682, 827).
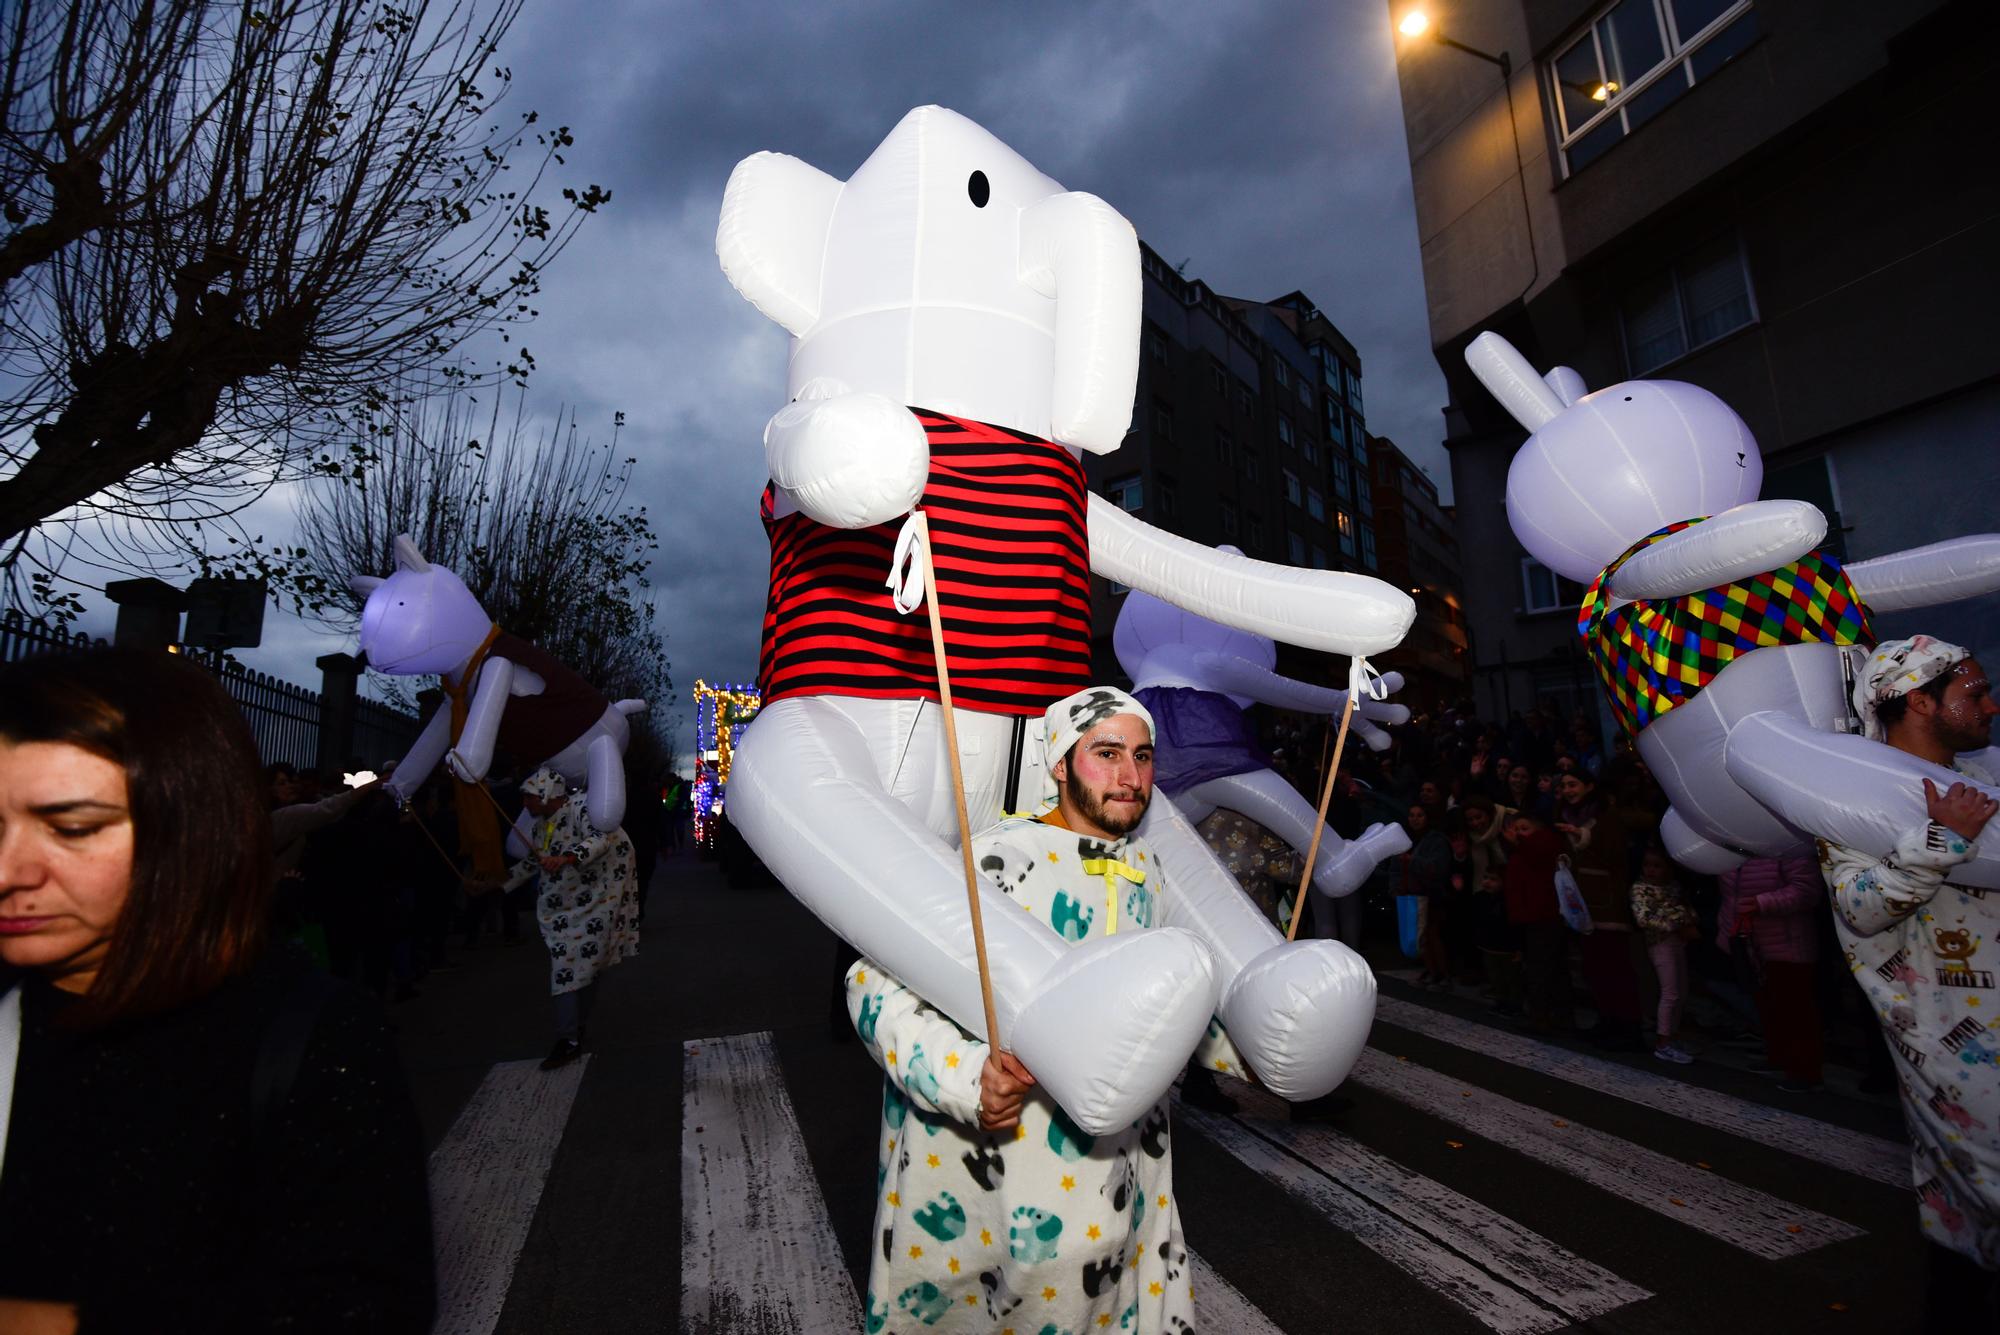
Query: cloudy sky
point(1260, 142)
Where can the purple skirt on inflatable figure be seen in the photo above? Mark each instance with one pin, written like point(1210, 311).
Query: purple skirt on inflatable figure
point(1200, 735)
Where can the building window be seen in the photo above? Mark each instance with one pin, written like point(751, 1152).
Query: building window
point(1346, 526)
point(1364, 492)
point(1243, 400)
point(1165, 498)
point(1163, 422)
point(1704, 296)
point(1635, 59)
point(1319, 557)
point(1221, 379)
point(1354, 391)
point(1343, 478)
point(1367, 546)
point(1280, 372)
point(1543, 590)
point(1335, 433)
point(1291, 486)
point(1309, 450)
point(1295, 547)
point(1256, 536)
point(1228, 520)
point(1125, 493)
point(1249, 465)
point(1156, 346)
point(1284, 429)
point(1225, 449)
point(1316, 503)
point(1305, 393)
point(1357, 442)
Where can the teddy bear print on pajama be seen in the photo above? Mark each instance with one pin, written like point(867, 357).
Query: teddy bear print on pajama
point(1039, 1226)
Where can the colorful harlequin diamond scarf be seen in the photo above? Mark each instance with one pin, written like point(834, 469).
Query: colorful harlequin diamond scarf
point(1654, 655)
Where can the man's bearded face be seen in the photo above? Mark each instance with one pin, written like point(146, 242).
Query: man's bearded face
point(1964, 718)
point(1108, 778)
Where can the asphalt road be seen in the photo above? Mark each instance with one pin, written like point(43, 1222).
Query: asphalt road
point(1482, 1180)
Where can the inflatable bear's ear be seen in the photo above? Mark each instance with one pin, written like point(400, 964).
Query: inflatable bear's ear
point(772, 237)
point(364, 584)
point(1083, 253)
point(407, 555)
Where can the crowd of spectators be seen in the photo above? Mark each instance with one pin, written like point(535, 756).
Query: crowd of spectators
point(383, 895)
point(1680, 963)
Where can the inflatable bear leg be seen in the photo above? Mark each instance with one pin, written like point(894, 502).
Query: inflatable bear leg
point(815, 789)
point(1846, 789)
point(1298, 1011)
point(1341, 866)
point(1692, 851)
point(606, 797)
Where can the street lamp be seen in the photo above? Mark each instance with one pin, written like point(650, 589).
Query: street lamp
point(1416, 22)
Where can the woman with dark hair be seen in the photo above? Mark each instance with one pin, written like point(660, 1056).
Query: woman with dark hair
point(205, 1135)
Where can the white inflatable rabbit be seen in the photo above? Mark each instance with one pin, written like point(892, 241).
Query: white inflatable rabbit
point(1197, 677)
point(1756, 761)
point(947, 275)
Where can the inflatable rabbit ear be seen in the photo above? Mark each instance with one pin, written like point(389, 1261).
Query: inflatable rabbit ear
point(1567, 384)
point(407, 555)
point(1509, 378)
point(364, 584)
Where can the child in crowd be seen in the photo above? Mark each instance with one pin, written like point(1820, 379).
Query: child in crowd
point(1499, 943)
point(1663, 914)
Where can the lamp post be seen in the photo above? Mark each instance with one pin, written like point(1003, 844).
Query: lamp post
point(1416, 22)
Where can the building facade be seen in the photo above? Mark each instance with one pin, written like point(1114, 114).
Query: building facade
point(1417, 544)
point(1773, 199)
point(1247, 429)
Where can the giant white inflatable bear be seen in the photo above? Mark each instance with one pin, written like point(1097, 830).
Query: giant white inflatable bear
point(962, 328)
point(1196, 677)
point(1754, 759)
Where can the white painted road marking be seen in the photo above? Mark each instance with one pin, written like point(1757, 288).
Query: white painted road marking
point(757, 1248)
point(1856, 1152)
point(1218, 1306)
point(1741, 1216)
point(1508, 1277)
point(486, 1180)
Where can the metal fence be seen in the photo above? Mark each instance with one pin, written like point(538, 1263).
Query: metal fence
point(381, 733)
point(284, 718)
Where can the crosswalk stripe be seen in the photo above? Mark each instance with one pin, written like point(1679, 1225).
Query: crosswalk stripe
point(1741, 1216)
point(486, 1179)
point(1850, 1151)
point(1220, 1306)
point(1508, 1277)
point(757, 1247)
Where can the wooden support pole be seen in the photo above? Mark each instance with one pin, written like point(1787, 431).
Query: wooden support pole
point(1319, 827)
point(957, 776)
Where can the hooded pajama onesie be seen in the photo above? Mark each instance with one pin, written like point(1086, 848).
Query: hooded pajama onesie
point(1927, 953)
point(1041, 1227)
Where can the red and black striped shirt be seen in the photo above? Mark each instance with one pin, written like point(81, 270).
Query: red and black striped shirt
point(1008, 537)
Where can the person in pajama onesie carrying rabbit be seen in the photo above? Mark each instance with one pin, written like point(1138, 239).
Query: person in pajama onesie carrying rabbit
point(995, 1211)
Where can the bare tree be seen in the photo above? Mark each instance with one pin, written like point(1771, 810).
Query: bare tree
point(536, 523)
point(230, 225)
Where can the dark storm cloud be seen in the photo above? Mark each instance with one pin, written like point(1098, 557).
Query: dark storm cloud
point(1263, 143)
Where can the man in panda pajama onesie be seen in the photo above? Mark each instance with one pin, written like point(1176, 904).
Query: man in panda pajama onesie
point(995, 1212)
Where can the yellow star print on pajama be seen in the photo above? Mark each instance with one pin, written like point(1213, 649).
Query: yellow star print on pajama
point(1040, 1225)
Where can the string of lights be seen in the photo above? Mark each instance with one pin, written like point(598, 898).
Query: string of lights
point(720, 713)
